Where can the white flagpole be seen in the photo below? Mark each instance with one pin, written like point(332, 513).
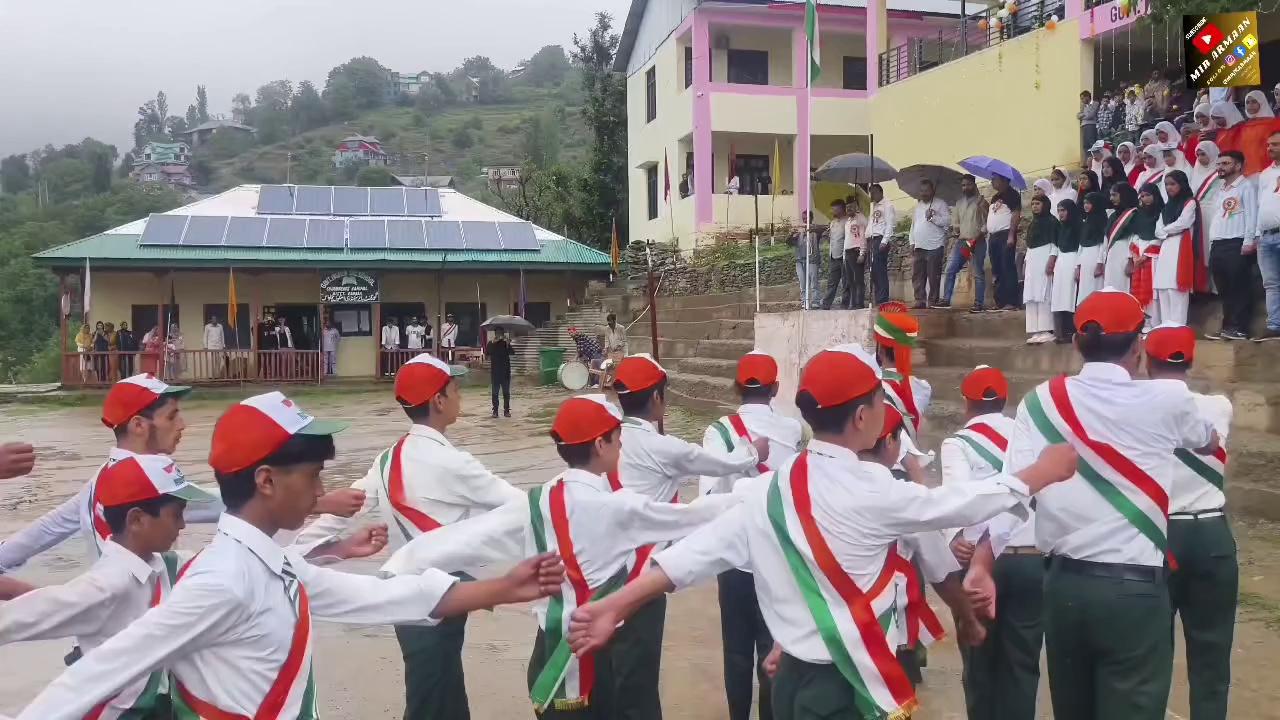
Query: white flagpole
point(808, 160)
point(757, 270)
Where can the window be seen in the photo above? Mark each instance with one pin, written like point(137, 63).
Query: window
point(229, 336)
point(688, 65)
point(144, 318)
point(651, 185)
point(352, 320)
point(651, 94)
point(538, 313)
point(855, 73)
point(749, 67)
point(753, 169)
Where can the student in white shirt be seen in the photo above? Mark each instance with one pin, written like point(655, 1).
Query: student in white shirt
point(1230, 212)
point(1268, 236)
point(416, 486)
point(895, 333)
point(821, 537)
point(1107, 609)
point(1204, 589)
point(884, 218)
point(929, 225)
point(657, 465)
point(414, 333)
point(214, 336)
point(1180, 263)
point(596, 529)
point(449, 336)
point(390, 342)
point(745, 638)
point(236, 632)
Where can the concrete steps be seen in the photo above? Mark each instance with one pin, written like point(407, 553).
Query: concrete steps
point(713, 349)
point(704, 392)
point(555, 334)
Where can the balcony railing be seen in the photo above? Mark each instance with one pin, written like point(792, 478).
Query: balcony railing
point(923, 53)
point(206, 367)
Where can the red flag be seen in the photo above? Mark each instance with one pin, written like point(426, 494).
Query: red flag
point(666, 177)
point(733, 161)
point(1250, 138)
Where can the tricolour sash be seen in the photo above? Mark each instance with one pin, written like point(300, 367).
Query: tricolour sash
point(1206, 186)
point(1125, 486)
point(923, 626)
point(740, 429)
point(900, 392)
point(1119, 226)
point(846, 618)
point(565, 680)
point(405, 514)
point(987, 442)
point(101, 530)
point(1213, 468)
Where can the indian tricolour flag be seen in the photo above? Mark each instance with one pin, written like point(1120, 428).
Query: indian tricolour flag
point(811, 34)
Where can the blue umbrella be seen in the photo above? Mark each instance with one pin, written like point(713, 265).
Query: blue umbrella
point(987, 167)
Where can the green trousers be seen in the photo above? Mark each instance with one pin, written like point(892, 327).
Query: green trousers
point(1002, 675)
point(1204, 591)
point(434, 687)
point(636, 663)
point(812, 691)
point(1108, 643)
point(600, 706)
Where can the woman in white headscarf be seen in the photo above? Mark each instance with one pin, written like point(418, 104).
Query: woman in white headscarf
point(1041, 188)
point(1063, 189)
point(1256, 106)
point(1152, 170)
point(1205, 183)
point(1202, 117)
point(1225, 115)
point(1148, 137)
point(1128, 155)
point(1098, 154)
point(1167, 133)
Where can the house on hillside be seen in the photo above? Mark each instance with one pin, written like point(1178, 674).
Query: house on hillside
point(429, 181)
point(473, 90)
point(408, 83)
point(176, 176)
point(359, 149)
point(501, 176)
point(205, 131)
point(175, 153)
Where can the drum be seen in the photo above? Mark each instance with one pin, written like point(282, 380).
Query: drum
point(573, 375)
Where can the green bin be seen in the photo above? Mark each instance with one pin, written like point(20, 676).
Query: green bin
point(550, 360)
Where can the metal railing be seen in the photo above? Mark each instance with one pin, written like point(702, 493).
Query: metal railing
point(389, 361)
point(923, 53)
point(206, 367)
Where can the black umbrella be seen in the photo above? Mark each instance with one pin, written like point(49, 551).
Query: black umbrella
point(946, 182)
point(513, 324)
point(855, 168)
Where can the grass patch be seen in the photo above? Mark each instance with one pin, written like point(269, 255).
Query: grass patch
point(1255, 606)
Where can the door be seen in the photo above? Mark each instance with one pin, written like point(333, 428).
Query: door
point(537, 313)
point(304, 325)
point(404, 313)
point(468, 316)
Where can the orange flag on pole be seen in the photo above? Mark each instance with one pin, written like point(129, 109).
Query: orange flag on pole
point(615, 250)
point(232, 302)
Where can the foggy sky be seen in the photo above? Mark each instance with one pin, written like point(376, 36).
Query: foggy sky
point(76, 68)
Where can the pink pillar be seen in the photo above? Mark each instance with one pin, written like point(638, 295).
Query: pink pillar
point(704, 173)
point(877, 33)
point(800, 79)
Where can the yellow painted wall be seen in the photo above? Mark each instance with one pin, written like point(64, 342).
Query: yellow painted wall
point(835, 47)
point(647, 143)
point(775, 41)
point(115, 293)
point(734, 112)
point(841, 116)
point(1016, 101)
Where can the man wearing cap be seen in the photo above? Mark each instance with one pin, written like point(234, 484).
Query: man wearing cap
point(745, 637)
point(419, 484)
point(656, 465)
point(449, 336)
point(1002, 675)
point(1107, 607)
point(820, 535)
point(236, 632)
point(597, 532)
point(1205, 588)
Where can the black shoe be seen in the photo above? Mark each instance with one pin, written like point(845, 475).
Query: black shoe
point(1215, 335)
point(495, 413)
point(941, 305)
point(1268, 335)
point(1232, 335)
point(977, 309)
point(506, 413)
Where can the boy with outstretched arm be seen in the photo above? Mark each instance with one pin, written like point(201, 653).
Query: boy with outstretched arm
point(236, 632)
point(820, 536)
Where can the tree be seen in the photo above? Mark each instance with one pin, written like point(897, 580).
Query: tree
point(271, 111)
point(150, 124)
point(162, 105)
point(370, 81)
point(67, 179)
point(192, 117)
point(202, 104)
point(540, 143)
point(241, 108)
point(306, 109)
point(492, 80)
point(462, 138)
point(603, 187)
point(15, 174)
point(548, 66)
point(175, 126)
point(340, 99)
point(100, 178)
point(375, 176)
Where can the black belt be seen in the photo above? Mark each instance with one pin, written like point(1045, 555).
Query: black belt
point(1118, 571)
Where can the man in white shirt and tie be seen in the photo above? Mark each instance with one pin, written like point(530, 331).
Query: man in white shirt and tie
point(449, 336)
point(1268, 236)
point(855, 256)
point(884, 218)
point(929, 225)
point(1233, 222)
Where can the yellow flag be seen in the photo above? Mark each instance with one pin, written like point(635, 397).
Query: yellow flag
point(777, 167)
point(615, 251)
point(231, 299)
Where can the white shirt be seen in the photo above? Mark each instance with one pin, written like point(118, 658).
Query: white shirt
point(75, 515)
point(785, 436)
point(1268, 199)
point(884, 218)
point(1233, 211)
point(449, 335)
point(930, 234)
point(855, 234)
point(414, 335)
point(440, 480)
point(390, 336)
point(214, 338)
point(1192, 493)
point(615, 339)
point(838, 228)
point(1145, 420)
point(962, 464)
point(225, 630)
point(656, 465)
point(606, 527)
point(998, 216)
point(862, 511)
point(329, 339)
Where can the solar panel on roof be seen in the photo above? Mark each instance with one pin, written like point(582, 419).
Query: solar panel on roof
point(367, 234)
point(415, 201)
point(275, 200)
point(326, 233)
point(163, 229)
point(205, 230)
point(246, 231)
point(286, 232)
point(386, 201)
point(479, 235)
point(433, 202)
point(406, 234)
point(350, 201)
point(518, 236)
point(313, 200)
point(444, 235)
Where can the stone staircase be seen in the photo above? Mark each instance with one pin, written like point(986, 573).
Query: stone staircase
point(556, 334)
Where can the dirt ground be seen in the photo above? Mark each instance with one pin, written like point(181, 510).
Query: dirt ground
point(359, 667)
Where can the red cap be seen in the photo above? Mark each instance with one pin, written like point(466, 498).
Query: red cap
point(985, 383)
point(757, 369)
point(637, 373)
point(892, 420)
point(255, 428)
point(422, 378)
point(1172, 343)
point(583, 419)
point(132, 395)
point(138, 478)
point(836, 376)
point(1116, 312)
